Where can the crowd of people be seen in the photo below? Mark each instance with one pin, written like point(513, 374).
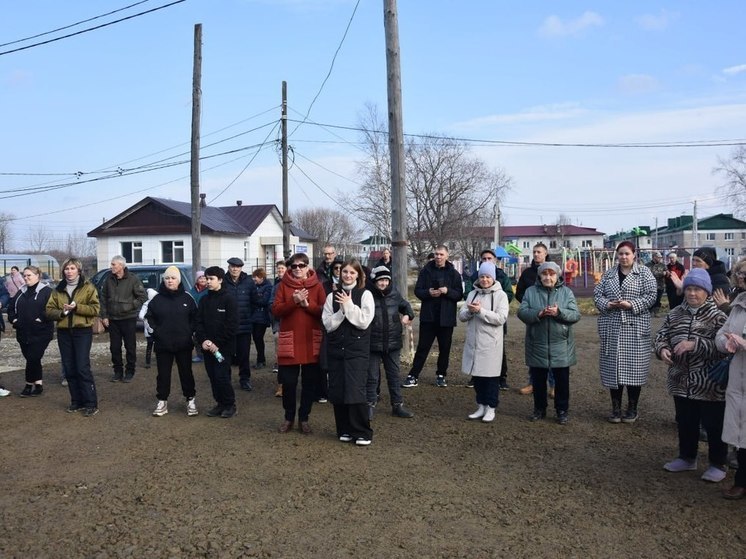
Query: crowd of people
point(335, 326)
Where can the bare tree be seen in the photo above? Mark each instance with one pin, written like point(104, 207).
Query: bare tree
point(448, 190)
point(79, 245)
point(5, 232)
point(330, 227)
point(40, 239)
point(373, 199)
point(734, 172)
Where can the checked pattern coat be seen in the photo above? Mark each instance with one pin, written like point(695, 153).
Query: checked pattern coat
point(625, 351)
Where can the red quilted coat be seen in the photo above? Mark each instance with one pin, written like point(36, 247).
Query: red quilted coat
point(300, 332)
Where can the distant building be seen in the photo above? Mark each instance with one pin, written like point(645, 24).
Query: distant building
point(46, 263)
point(723, 231)
point(159, 231)
point(555, 237)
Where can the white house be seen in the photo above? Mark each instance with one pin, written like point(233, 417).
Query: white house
point(158, 231)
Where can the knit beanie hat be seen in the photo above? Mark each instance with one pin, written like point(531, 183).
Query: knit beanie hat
point(216, 272)
point(487, 269)
point(199, 274)
point(549, 266)
point(380, 272)
point(707, 254)
point(699, 278)
point(173, 271)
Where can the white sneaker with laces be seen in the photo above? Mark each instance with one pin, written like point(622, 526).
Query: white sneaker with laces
point(161, 409)
point(489, 414)
point(4, 392)
point(479, 413)
point(680, 465)
point(192, 407)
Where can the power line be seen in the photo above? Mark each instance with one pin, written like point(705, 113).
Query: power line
point(331, 67)
point(92, 28)
point(249, 163)
point(72, 24)
point(511, 143)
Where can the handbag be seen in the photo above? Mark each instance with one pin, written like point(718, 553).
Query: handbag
point(718, 373)
point(98, 325)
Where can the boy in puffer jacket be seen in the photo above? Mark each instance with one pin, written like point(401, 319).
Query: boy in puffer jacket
point(386, 341)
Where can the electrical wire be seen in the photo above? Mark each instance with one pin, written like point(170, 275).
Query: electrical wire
point(249, 163)
point(92, 28)
point(511, 143)
point(331, 67)
point(72, 24)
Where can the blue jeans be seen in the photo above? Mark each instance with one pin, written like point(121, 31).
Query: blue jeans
point(391, 366)
point(75, 351)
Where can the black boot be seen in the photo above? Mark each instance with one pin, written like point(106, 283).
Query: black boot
point(630, 416)
point(398, 410)
point(616, 409)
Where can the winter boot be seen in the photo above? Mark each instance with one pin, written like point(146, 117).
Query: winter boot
point(631, 415)
point(616, 410)
point(398, 410)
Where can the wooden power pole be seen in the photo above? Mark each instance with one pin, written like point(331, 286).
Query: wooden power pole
point(285, 211)
point(194, 170)
point(399, 242)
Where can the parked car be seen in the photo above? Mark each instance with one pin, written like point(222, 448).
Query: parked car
point(150, 276)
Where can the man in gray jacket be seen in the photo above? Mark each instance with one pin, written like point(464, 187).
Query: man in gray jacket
point(122, 296)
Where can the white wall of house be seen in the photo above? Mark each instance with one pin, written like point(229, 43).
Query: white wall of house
point(555, 244)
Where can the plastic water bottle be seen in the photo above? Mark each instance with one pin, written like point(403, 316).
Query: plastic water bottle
point(219, 356)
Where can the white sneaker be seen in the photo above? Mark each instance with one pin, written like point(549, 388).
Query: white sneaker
point(192, 407)
point(361, 441)
point(489, 414)
point(714, 474)
point(479, 413)
point(4, 392)
point(161, 409)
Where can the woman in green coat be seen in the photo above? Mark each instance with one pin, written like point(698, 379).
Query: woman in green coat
point(549, 310)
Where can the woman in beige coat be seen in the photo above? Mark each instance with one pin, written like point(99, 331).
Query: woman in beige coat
point(732, 339)
point(485, 312)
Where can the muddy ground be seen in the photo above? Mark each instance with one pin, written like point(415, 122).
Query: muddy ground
point(126, 484)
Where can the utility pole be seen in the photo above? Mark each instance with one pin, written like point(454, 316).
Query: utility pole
point(194, 169)
point(695, 229)
point(285, 211)
point(655, 243)
point(496, 237)
point(399, 243)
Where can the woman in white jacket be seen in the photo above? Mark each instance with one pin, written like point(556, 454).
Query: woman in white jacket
point(731, 338)
point(485, 312)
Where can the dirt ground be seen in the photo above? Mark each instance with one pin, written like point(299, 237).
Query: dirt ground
point(125, 484)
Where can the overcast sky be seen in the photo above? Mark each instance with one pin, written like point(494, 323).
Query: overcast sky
point(544, 79)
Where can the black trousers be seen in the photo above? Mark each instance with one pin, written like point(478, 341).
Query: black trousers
point(220, 380)
point(689, 414)
point(429, 332)
point(288, 377)
point(561, 387)
point(257, 334)
point(32, 353)
point(243, 348)
point(164, 361)
point(123, 331)
point(352, 419)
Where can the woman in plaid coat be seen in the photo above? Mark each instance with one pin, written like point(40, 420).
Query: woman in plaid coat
point(624, 297)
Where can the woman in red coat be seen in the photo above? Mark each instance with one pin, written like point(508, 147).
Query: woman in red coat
point(298, 304)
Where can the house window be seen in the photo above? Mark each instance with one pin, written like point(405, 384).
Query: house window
point(743, 236)
point(552, 244)
point(526, 244)
point(246, 251)
point(588, 243)
point(729, 236)
point(172, 251)
point(132, 251)
point(730, 251)
point(710, 236)
point(566, 243)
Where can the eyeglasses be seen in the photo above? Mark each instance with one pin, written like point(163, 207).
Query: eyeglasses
point(329, 253)
point(296, 266)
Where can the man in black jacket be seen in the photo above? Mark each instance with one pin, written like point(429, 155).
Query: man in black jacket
point(439, 288)
point(243, 289)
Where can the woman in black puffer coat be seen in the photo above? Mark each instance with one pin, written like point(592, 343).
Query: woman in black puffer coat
point(27, 314)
